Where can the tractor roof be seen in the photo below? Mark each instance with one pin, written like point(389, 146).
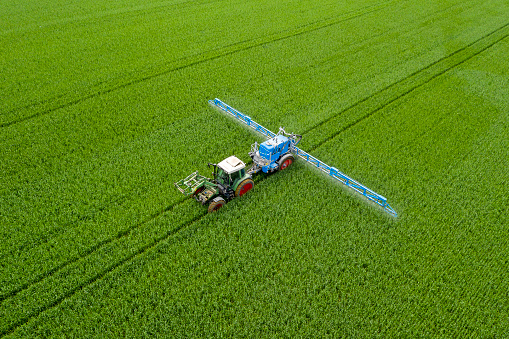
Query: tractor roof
point(231, 164)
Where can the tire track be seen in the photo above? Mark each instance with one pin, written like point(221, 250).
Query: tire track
point(374, 103)
point(96, 247)
point(26, 318)
point(89, 251)
point(65, 101)
point(360, 46)
point(30, 244)
point(96, 277)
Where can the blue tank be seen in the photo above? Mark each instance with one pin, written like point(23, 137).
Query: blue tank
point(272, 150)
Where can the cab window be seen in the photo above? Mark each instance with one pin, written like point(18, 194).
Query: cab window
point(235, 176)
point(222, 176)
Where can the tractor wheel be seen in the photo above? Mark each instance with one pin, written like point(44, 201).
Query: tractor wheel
point(244, 187)
point(216, 204)
point(198, 191)
point(285, 161)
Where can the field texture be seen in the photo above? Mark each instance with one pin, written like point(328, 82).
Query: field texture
point(104, 105)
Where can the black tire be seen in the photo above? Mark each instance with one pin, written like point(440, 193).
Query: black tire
point(285, 161)
point(216, 204)
point(244, 187)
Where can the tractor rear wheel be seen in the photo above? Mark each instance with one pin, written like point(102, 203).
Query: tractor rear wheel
point(285, 161)
point(216, 204)
point(244, 187)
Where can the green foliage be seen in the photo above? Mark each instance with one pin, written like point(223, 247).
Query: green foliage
point(105, 105)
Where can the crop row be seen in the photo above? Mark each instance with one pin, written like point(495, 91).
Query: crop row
point(278, 265)
point(283, 198)
point(93, 188)
point(70, 171)
point(370, 105)
point(109, 176)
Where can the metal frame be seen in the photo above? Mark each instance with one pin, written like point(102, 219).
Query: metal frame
point(187, 185)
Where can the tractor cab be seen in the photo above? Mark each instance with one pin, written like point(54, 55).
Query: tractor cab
point(231, 180)
point(230, 171)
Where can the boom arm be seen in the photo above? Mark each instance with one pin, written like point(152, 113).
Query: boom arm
point(332, 171)
point(346, 180)
point(242, 117)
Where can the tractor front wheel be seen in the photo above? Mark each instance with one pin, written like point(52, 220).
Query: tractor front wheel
point(244, 187)
point(198, 191)
point(216, 204)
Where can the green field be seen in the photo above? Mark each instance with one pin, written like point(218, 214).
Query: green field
point(105, 104)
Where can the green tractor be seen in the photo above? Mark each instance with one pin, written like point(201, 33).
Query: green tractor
point(230, 180)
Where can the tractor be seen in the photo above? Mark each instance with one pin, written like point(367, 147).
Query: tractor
point(231, 179)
